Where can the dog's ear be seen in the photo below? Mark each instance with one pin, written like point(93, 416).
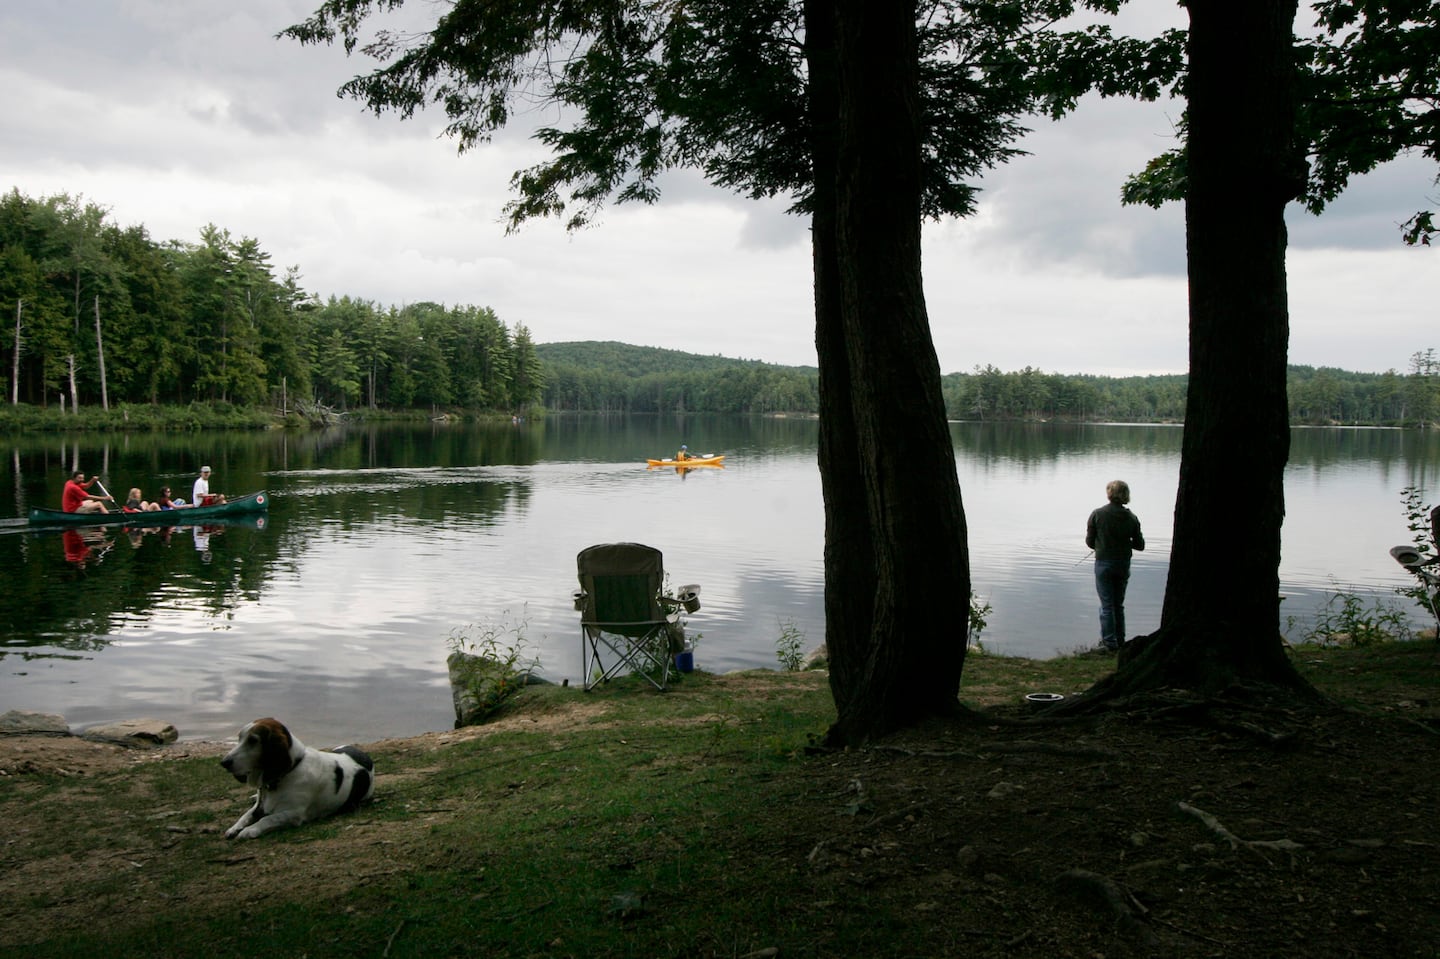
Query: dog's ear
point(275, 742)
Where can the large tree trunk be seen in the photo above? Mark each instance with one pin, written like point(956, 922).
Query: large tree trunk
point(1220, 623)
point(897, 581)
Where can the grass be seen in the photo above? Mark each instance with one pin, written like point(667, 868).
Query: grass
point(621, 822)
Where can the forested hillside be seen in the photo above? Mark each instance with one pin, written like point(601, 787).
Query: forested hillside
point(617, 378)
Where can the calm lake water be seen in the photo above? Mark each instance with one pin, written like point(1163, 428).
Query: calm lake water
point(336, 614)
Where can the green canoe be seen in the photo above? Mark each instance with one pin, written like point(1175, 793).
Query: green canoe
point(183, 516)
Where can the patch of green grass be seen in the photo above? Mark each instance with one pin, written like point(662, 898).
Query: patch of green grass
point(1382, 675)
point(994, 680)
point(612, 838)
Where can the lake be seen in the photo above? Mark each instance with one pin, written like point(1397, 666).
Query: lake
point(337, 613)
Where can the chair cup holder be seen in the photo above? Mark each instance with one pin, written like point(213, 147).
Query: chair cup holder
point(578, 598)
point(689, 597)
point(1406, 555)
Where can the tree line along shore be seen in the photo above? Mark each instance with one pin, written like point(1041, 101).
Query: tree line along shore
point(143, 334)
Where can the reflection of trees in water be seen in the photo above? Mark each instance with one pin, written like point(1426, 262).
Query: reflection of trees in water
point(71, 589)
point(619, 437)
point(441, 476)
point(1417, 451)
point(78, 650)
point(1414, 450)
point(1033, 443)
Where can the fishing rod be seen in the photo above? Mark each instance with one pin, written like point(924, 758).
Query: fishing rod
point(1083, 558)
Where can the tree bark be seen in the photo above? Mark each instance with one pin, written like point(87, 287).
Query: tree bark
point(1220, 622)
point(897, 581)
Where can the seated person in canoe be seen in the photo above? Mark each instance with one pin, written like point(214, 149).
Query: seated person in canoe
point(136, 503)
point(200, 494)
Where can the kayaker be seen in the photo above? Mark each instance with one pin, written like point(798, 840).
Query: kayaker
point(683, 454)
point(1112, 532)
point(76, 498)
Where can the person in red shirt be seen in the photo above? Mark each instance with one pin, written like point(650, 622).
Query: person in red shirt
point(76, 497)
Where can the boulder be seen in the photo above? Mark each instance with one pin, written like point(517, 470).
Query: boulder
point(133, 732)
point(480, 684)
point(19, 722)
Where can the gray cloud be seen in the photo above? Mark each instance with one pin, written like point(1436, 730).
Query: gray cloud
point(177, 115)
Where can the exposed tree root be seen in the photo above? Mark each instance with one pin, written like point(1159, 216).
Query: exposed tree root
point(1110, 896)
point(1257, 846)
point(1013, 749)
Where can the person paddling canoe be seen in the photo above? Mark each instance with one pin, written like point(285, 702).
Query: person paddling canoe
point(76, 496)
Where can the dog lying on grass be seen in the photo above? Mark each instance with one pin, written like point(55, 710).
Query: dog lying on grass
point(295, 784)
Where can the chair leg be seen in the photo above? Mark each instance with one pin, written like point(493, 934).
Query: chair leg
point(646, 655)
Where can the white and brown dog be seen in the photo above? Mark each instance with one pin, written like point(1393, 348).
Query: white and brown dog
point(296, 784)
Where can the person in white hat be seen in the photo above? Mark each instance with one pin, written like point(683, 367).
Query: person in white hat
point(201, 491)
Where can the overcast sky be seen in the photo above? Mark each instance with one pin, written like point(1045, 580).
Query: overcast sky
point(178, 113)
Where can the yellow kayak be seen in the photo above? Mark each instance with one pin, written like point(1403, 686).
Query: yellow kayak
point(707, 460)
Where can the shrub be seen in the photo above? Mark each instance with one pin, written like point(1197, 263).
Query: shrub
point(485, 670)
point(1345, 620)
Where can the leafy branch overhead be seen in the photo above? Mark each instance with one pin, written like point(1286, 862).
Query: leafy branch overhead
point(1369, 93)
point(719, 87)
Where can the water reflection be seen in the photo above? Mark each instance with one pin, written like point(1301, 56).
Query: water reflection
point(382, 540)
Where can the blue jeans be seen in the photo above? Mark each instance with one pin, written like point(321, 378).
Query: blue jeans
point(1111, 577)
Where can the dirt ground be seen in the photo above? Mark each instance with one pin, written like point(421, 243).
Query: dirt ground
point(1248, 828)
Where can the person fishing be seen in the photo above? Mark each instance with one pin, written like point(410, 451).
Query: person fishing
point(1113, 532)
point(76, 497)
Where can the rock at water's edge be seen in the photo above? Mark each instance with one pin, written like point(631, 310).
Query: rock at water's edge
point(19, 722)
point(133, 732)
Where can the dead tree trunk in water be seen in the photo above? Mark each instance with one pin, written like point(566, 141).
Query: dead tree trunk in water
point(15, 360)
point(100, 352)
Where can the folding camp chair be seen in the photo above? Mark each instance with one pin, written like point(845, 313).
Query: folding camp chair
point(623, 611)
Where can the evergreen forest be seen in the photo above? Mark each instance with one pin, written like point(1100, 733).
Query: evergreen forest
point(104, 315)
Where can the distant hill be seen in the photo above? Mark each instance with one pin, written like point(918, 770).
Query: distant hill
point(628, 360)
point(605, 376)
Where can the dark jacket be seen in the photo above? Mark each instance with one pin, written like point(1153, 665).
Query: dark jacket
point(1112, 532)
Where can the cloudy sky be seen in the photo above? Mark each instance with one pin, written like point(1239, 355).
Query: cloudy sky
point(178, 113)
